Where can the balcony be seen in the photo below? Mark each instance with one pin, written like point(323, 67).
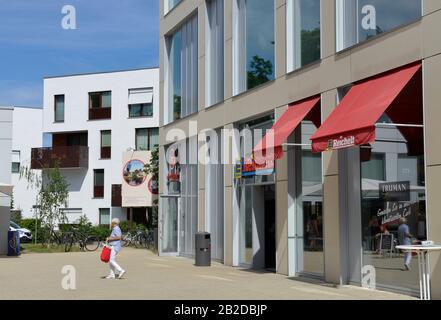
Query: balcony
point(100, 113)
point(63, 157)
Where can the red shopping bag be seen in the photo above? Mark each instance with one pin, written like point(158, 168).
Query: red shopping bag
point(105, 254)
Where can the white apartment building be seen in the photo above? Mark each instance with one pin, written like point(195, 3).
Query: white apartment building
point(27, 133)
point(5, 175)
point(103, 126)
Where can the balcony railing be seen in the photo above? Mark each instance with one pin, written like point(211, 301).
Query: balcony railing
point(100, 113)
point(63, 157)
point(116, 195)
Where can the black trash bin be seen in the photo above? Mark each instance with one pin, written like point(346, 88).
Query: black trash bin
point(13, 244)
point(203, 249)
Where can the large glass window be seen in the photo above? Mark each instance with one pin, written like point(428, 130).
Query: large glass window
point(361, 20)
point(181, 89)
point(303, 34)
point(59, 108)
point(253, 43)
point(214, 52)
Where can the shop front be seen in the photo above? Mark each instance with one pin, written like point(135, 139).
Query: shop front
point(378, 132)
point(254, 201)
point(290, 136)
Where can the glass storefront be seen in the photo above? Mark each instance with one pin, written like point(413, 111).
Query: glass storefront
point(180, 199)
point(392, 189)
point(255, 200)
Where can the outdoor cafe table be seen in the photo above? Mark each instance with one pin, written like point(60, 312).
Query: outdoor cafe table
point(423, 266)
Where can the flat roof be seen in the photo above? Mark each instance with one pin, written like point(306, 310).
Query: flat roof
point(101, 72)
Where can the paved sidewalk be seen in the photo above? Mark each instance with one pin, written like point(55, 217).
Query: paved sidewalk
point(38, 276)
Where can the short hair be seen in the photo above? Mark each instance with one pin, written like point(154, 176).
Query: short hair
point(403, 220)
point(115, 220)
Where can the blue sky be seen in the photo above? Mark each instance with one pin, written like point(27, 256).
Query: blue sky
point(110, 35)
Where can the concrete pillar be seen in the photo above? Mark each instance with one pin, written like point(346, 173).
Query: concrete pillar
point(282, 258)
point(432, 98)
point(228, 205)
point(331, 205)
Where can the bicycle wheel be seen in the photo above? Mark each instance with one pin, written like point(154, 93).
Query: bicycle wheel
point(68, 242)
point(91, 243)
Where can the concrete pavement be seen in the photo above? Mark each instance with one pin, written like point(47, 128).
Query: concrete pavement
point(39, 276)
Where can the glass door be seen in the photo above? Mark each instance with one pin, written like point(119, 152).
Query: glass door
point(168, 226)
point(309, 205)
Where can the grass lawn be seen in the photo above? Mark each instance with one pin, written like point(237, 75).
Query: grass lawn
point(39, 248)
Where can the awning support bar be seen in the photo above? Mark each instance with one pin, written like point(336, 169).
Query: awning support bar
point(386, 125)
point(297, 144)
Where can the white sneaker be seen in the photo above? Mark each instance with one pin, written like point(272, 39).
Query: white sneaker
point(110, 276)
point(121, 274)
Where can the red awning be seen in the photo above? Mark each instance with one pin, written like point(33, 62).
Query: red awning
point(353, 121)
point(272, 142)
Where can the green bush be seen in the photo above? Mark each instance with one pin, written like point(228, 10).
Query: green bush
point(102, 232)
point(30, 225)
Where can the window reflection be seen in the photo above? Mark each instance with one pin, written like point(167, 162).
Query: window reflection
point(259, 42)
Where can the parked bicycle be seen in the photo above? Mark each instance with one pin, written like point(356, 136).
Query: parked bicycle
point(141, 239)
point(86, 243)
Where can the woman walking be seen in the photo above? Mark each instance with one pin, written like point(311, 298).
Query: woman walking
point(115, 243)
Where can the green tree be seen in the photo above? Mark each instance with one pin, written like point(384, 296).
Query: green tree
point(52, 196)
point(152, 169)
point(260, 71)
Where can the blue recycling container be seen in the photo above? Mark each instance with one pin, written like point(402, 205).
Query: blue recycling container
point(13, 244)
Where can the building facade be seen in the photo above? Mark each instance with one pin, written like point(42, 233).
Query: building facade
point(27, 133)
point(5, 175)
point(349, 92)
point(103, 127)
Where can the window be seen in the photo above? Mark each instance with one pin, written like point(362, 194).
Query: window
point(106, 144)
point(15, 167)
point(181, 75)
point(360, 20)
point(253, 44)
point(170, 4)
point(104, 217)
point(303, 34)
point(98, 183)
point(141, 102)
point(147, 138)
point(214, 52)
point(140, 110)
point(100, 104)
point(59, 108)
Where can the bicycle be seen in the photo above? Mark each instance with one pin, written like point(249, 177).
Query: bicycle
point(139, 240)
point(86, 243)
